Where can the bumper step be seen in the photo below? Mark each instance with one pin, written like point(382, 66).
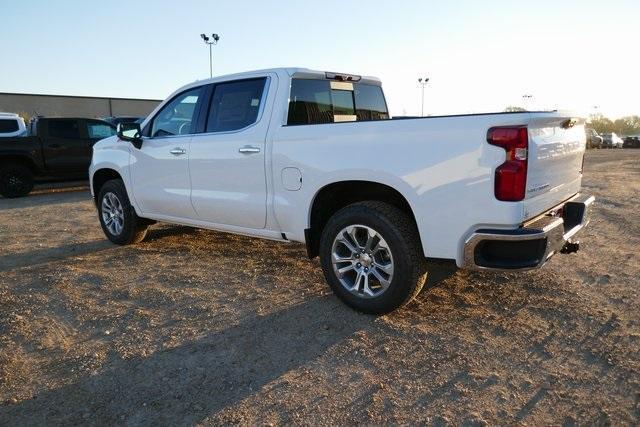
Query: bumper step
point(531, 245)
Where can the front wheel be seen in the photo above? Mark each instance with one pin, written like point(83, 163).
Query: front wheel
point(372, 258)
point(118, 218)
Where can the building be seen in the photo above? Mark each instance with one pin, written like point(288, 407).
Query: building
point(31, 105)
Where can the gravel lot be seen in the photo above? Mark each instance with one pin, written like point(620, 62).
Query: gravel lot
point(199, 327)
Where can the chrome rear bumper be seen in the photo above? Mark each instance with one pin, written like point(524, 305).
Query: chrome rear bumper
point(531, 245)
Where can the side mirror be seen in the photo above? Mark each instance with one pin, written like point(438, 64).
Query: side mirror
point(130, 132)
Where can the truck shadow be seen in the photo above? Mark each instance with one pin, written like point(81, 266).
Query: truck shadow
point(159, 233)
point(71, 195)
point(439, 271)
point(57, 253)
point(60, 253)
point(184, 385)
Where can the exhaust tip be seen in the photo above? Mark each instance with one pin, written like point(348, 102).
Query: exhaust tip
point(570, 247)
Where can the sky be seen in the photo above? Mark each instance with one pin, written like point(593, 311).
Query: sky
point(480, 56)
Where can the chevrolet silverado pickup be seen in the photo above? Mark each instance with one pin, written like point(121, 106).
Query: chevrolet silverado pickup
point(53, 148)
point(292, 154)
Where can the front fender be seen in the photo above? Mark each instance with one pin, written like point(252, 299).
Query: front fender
point(114, 154)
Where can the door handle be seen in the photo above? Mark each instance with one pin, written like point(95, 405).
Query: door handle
point(178, 151)
point(247, 149)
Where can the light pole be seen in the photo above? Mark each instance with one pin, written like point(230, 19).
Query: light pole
point(526, 99)
point(423, 82)
point(210, 41)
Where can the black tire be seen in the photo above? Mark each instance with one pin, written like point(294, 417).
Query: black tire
point(399, 231)
point(134, 228)
point(16, 180)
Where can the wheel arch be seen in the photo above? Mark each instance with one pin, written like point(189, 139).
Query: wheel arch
point(100, 177)
point(336, 195)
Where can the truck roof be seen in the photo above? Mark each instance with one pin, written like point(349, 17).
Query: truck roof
point(291, 72)
point(282, 71)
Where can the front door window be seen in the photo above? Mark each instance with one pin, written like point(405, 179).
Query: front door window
point(178, 116)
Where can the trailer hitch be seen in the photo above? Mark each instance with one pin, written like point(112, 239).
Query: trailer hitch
point(570, 247)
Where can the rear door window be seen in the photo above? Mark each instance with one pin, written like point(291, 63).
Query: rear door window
point(64, 129)
point(324, 101)
point(235, 105)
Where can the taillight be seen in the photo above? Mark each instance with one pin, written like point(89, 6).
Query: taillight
point(511, 176)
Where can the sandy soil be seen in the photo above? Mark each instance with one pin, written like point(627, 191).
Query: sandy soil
point(194, 326)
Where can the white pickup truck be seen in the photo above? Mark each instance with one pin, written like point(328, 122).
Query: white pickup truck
point(298, 155)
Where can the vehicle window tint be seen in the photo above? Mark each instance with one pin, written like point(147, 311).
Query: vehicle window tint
point(100, 130)
point(235, 105)
point(310, 102)
point(64, 129)
point(177, 117)
point(370, 103)
point(8, 125)
point(343, 102)
point(315, 101)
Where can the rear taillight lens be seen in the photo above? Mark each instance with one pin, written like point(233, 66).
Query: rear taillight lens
point(511, 176)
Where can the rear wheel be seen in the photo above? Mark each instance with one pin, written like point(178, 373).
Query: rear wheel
point(372, 258)
point(118, 218)
point(16, 180)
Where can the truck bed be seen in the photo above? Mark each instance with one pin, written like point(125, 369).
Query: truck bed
point(442, 165)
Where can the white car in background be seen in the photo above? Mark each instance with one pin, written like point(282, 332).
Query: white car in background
point(293, 154)
point(611, 140)
point(11, 125)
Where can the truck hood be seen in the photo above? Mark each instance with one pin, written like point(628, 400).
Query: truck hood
point(106, 142)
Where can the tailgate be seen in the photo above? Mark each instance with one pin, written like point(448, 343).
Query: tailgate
point(557, 144)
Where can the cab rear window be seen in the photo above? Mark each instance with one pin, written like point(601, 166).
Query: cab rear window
point(325, 101)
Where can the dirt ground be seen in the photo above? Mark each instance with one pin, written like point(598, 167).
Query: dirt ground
point(199, 327)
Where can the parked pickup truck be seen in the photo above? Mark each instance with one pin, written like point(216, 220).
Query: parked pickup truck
point(307, 156)
point(57, 148)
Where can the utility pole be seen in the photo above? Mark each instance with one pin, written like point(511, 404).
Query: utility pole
point(210, 41)
point(423, 82)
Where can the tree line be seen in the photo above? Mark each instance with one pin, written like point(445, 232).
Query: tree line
point(624, 126)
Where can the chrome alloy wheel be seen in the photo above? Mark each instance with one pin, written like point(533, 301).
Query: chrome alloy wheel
point(362, 261)
point(112, 214)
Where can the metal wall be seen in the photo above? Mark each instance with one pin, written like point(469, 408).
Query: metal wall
point(74, 106)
